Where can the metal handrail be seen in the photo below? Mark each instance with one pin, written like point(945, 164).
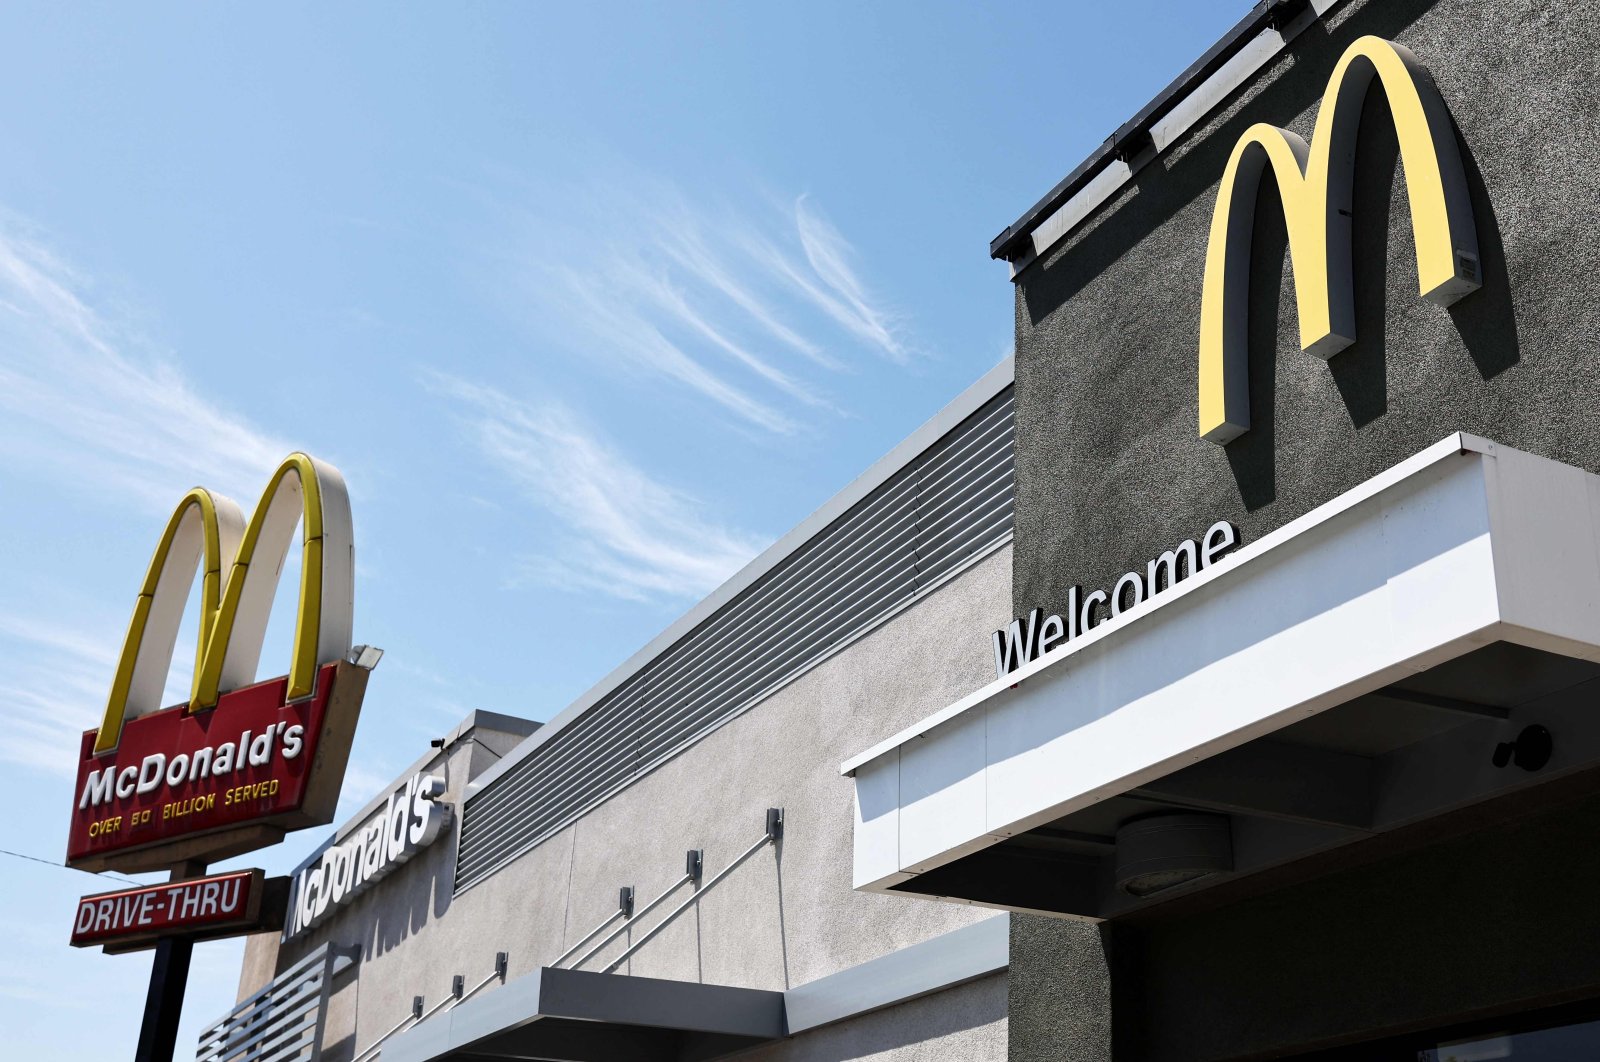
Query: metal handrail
point(620, 912)
point(469, 993)
point(690, 902)
point(450, 1000)
point(773, 832)
point(372, 1048)
point(436, 1008)
point(629, 924)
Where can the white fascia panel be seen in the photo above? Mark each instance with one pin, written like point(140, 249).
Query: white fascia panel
point(1259, 651)
point(1464, 544)
point(1547, 550)
point(877, 825)
point(942, 792)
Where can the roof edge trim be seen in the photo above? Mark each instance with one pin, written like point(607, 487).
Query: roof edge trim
point(935, 428)
point(1253, 42)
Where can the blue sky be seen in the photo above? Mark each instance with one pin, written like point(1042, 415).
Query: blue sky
point(590, 303)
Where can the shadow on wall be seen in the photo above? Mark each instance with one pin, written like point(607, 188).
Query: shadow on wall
point(1487, 321)
point(340, 1050)
point(783, 932)
point(1252, 456)
point(1361, 370)
point(418, 890)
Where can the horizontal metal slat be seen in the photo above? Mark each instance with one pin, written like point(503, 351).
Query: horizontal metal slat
point(280, 1023)
point(676, 661)
point(950, 503)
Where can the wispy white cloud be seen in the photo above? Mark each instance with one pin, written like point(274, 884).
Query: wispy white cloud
point(829, 254)
point(54, 686)
point(658, 292)
point(46, 711)
point(755, 310)
point(623, 328)
point(361, 783)
point(82, 405)
point(81, 402)
point(627, 534)
point(683, 239)
point(58, 640)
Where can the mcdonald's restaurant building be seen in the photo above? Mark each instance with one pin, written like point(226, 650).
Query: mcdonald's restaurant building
point(1217, 679)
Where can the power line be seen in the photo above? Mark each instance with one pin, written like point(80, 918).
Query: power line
point(63, 866)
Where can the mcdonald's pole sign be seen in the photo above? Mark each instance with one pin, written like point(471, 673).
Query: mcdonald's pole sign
point(243, 761)
point(1315, 183)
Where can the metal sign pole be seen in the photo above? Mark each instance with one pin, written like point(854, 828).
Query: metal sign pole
point(169, 976)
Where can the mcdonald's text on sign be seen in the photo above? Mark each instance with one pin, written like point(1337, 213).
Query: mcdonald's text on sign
point(197, 907)
point(256, 759)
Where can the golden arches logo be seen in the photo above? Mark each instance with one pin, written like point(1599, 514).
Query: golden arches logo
point(205, 529)
point(1315, 182)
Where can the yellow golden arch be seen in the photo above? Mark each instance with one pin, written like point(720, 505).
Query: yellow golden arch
point(204, 529)
point(1315, 184)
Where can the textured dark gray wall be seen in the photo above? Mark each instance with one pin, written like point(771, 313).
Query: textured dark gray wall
point(1060, 997)
point(1110, 469)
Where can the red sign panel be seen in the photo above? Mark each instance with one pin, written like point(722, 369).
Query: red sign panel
point(199, 906)
point(216, 778)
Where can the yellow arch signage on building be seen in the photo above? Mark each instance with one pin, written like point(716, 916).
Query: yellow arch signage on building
point(1315, 182)
point(204, 529)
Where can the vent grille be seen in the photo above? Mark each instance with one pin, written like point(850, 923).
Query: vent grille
point(947, 507)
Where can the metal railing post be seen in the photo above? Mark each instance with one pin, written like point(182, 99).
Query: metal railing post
point(774, 831)
point(691, 874)
point(624, 910)
point(458, 994)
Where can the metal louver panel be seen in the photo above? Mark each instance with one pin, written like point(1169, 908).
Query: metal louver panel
point(947, 507)
point(280, 1023)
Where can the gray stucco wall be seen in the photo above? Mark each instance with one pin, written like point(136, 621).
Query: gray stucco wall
point(1111, 470)
point(390, 912)
point(784, 918)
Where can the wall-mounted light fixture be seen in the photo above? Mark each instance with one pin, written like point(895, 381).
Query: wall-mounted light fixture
point(1530, 751)
point(365, 657)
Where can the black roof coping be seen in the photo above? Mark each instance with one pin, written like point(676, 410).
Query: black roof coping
point(1134, 134)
